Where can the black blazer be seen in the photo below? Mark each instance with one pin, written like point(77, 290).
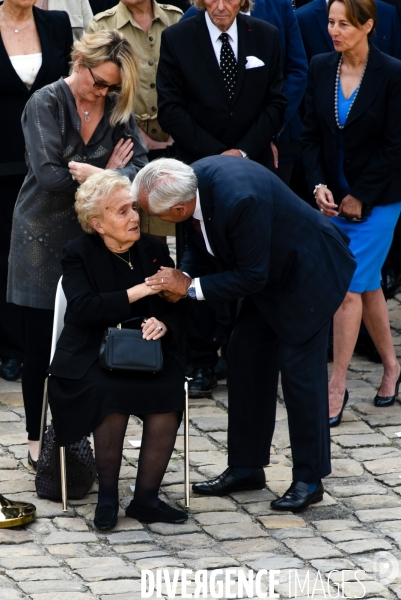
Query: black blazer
point(267, 244)
point(194, 106)
point(94, 303)
point(371, 136)
point(54, 29)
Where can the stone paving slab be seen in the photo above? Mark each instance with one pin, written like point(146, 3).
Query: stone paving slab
point(358, 524)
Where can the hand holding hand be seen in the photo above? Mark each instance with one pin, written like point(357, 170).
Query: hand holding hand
point(171, 280)
point(325, 201)
point(351, 207)
point(81, 171)
point(121, 155)
point(153, 329)
point(153, 144)
point(170, 296)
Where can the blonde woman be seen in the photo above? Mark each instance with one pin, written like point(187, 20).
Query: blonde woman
point(73, 128)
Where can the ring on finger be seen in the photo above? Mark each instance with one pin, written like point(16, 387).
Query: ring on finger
point(322, 210)
point(160, 329)
point(162, 280)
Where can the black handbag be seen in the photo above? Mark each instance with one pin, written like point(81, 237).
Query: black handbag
point(80, 467)
point(126, 350)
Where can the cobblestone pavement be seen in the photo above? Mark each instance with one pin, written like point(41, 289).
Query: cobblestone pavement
point(61, 557)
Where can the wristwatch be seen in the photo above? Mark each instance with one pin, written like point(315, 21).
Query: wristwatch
point(191, 290)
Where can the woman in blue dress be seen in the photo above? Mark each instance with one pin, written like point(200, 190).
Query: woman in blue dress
point(352, 157)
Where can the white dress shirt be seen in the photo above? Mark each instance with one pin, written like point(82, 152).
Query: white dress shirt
point(215, 33)
point(198, 215)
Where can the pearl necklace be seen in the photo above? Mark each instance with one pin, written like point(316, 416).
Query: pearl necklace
point(340, 62)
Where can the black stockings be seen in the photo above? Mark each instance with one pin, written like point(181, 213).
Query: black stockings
point(159, 434)
point(109, 441)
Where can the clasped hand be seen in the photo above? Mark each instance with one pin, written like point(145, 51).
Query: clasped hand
point(350, 207)
point(172, 284)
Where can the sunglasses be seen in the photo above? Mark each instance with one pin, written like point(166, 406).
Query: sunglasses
point(101, 85)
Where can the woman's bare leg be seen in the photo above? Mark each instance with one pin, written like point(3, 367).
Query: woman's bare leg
point(346, 324)
point(376, 319)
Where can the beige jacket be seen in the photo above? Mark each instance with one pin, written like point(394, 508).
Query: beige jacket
point(147, 50)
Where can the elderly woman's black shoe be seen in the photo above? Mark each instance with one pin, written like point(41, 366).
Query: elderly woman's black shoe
point(106, 517)
point(163, 513)
point(388, 400)
point(335, 421)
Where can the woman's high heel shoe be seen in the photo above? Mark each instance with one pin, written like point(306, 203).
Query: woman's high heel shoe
point(33, 463)
point(335, 421)
point(388, 400)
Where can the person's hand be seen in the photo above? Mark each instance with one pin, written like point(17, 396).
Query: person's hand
point(81, 171)
point(121, 155)
point(325, 202)
point(275, 154)
point(153, 329)
point(170, 296)
point(232, 152)
point(171, 280)
point(351, 207)
point(153, 144)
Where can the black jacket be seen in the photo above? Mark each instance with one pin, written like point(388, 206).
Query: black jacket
point(371, 136)
point(54, 29)
point(267, 244)
point(194, 106)
point(94, 303)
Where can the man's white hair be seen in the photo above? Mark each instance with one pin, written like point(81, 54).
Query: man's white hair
point(166, 182)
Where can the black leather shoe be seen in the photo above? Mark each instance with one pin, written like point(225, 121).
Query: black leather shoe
point(203, 381)
point(226, 483)
point(297, 497)
point(106, 517)
point(335, 421)
point(387, 400)
point(10, 369)
point(162, 514)
point(33, 463)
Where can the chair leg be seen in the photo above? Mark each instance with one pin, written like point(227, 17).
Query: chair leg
point(186, 446)
point(63, 478)
point(44, 416)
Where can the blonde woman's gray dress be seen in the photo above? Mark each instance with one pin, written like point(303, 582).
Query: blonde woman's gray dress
point(44, 218)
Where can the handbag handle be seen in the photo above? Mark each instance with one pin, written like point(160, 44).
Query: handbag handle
point(119, 326)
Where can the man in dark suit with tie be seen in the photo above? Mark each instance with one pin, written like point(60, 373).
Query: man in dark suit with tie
point(220, 83)
point(292, 269)
point(313, 21)
point(220, 91)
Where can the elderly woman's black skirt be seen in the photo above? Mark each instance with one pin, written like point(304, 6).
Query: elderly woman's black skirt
point(79, 406)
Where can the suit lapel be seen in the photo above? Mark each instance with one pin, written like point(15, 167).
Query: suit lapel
point(322, 19)
point(244, 31)
point(370, 85)
point(9, 71)
point(326, 77)
point(145, 256)
point(205, 44)
point(45, 32)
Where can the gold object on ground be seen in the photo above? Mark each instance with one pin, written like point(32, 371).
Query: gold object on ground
point(15, 513)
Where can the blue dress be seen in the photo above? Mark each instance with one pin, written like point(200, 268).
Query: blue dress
point(371, 239)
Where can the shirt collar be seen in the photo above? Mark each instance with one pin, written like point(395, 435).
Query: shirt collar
point(215, 32)
point(198, 211)
point(124, 16)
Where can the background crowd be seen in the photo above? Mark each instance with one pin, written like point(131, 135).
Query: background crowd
point(310, 90)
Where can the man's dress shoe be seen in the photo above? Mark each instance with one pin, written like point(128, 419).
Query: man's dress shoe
point(226, 483)
point(10, 369)
point(297, 497)
point(203, 381)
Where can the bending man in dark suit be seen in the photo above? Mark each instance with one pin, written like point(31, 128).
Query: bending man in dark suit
point(292, 269)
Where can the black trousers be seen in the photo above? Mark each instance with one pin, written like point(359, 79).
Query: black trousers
point(38, 328)
point(10, 314)
point(255, 356)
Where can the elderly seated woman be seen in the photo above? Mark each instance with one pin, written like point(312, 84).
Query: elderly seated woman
point(103, 280)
